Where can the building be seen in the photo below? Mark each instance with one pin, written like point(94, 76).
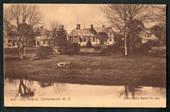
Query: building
point(10, 37)
point(44, 38)
point(96, 35)
point(146, 35)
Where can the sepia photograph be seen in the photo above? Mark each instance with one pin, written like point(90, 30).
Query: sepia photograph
point(84, 55)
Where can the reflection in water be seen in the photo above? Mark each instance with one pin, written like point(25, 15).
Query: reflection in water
point(131, 89)
point(45, 84)
point(24, 89)
point(34, 89)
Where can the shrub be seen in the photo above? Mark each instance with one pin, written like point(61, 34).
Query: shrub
point(111, 49)
point(144, 48)
point(88, 45)
point(75, 48)
point(70, 48)
point(43, 52)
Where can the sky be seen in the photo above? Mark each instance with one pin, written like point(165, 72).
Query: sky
point(72, 14)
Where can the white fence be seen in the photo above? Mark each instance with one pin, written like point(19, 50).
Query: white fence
point(87, 50)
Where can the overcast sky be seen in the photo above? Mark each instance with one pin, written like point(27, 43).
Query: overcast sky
point(72, 14)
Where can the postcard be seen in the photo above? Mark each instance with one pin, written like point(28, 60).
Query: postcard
point(84, 55)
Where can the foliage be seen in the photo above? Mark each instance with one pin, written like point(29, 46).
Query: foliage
point(126, 18)
point(135, 26)
point(19, 19)
point(102, 36)
point(60, 36)
point(113, 49)
point(139, 48)
point(133, 39)
point(70, 48)
point(27, 32)
point(43, 52)
point(159, 13)
point(160, 32)
point(157, 30)
point(88, 45)
point(118, 41)
point(133, 43)
point(146, 47)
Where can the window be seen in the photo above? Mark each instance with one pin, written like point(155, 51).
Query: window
point(94, 39)
point(80, 39)
point(84, 39)
point(38, 43)
point(74, 39)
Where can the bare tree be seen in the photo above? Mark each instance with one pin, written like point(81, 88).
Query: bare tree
point(24, 17)
point(159, 13)
point(120, 15)
point(54, 26)
point(24, 13)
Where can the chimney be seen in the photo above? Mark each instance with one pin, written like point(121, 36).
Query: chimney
point(78, 27)
point(62, 27)
point(91, 26)
point(41, 27)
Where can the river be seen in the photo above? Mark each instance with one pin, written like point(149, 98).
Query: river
point(28, 93)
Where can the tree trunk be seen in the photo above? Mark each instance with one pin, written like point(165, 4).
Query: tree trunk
point(125, 45)
point(24, 51)
point(21, 52)
point(131, 44)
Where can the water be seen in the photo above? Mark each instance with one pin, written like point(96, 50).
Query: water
point(28, 93)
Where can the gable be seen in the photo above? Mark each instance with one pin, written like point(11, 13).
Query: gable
point(81, 33)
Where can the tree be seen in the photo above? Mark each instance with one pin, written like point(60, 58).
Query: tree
point(133, 40)
point(24, 17)
point(89, 45)
point(120, 16)
point(59, 34)
point(23, 13)
point(54, 27)
point(159, 14)
point(160, 32)
point(61, 38)
point(103, 37)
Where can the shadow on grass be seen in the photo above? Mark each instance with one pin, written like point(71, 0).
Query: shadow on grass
point(15, 58)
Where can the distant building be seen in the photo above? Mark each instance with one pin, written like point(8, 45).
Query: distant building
point(10, 37)
point(44, 38)
point(146, 35)
point(96, 35)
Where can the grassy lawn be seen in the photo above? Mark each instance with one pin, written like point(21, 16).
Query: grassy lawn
point(89, 69)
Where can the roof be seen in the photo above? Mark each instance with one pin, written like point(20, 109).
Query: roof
point(81, 33)
point(88, 31)
point(100, 29)
point(43, 37)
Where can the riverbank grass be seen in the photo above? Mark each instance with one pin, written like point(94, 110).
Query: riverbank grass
point(90, 69)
